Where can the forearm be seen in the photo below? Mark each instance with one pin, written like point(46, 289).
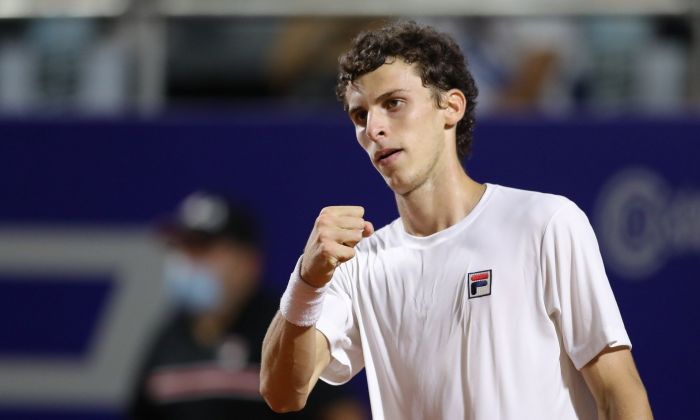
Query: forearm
point(630, 403)
point(294, 353)
point(616, 386)
point(289, 358)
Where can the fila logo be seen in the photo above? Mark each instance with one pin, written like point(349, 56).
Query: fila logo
point(479, 283)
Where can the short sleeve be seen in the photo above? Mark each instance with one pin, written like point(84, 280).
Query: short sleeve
point(339, 325)
point(578, 296)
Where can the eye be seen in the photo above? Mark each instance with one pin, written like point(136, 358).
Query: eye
point(393, 103)
point(359, 116)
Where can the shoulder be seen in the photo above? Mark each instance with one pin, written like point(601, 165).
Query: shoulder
point(536, 207)
point(529, 201)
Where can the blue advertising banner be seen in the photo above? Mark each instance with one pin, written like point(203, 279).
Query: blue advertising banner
point(638, 181)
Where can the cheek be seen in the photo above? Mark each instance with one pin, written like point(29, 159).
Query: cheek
point(362, 139)
point(419, 122)
point(430, 126)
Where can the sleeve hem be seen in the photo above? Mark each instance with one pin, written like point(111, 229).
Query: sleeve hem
point(609, 338)
point(338, 370)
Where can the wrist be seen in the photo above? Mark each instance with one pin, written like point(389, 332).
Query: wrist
point(302, 303)
point(308, 278)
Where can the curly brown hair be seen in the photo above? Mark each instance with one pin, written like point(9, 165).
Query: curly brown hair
point(440, 62)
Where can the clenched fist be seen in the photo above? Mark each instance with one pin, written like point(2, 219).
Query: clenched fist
point(332, 241)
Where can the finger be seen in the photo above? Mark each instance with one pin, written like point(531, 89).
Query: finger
point(367, 229)
point(355, 211)
point(341, 253)
point(353, 243)
point(347, 236)
point(350, 222)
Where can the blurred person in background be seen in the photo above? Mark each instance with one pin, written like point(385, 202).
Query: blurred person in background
point(530, 65)
point(204, 361)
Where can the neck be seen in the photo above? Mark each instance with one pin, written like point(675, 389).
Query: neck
point(440, 202)
point(210, 327)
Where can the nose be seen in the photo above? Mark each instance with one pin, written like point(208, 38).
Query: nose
point(376, 126)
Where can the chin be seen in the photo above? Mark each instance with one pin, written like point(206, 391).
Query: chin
point(399, 186)
point(395, 185)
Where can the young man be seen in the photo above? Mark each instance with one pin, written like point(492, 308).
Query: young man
point(479, 302)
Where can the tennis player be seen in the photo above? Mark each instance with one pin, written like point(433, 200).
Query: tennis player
point(479, 302)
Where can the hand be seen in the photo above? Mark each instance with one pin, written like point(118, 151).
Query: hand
point(332, 241)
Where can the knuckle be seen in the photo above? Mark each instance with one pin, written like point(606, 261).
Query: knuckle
point(325, 248)
point(329, 210)
point(323, 220)
point(321, 238)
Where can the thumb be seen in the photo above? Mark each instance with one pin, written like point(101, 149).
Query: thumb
point(367, 230)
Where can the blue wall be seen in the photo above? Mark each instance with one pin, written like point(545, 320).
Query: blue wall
point(288, 167)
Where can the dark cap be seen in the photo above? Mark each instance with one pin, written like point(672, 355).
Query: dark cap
point(204, 216)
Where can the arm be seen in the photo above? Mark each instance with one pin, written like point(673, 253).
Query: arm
point(615, 384)
point(579, 298)
point(294, 356)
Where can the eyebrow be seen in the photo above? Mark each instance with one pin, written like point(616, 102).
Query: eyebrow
point(380, 98)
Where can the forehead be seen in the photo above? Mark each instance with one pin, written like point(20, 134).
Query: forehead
point(393, 75)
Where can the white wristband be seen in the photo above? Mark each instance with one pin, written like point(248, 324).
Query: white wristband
point(301, 303)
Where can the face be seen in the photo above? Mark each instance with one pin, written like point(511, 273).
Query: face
point(399, 125)
point(236, 266)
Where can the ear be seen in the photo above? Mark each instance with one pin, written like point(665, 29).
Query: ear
point(455, 106)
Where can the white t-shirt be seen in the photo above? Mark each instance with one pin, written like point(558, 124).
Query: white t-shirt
point(488, 319)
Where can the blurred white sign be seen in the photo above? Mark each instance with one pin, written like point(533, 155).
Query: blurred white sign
point(103, 376)
point(643, 222)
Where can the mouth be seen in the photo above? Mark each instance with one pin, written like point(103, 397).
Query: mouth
point(385, 156)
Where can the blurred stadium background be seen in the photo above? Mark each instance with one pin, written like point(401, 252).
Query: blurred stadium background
point(111, 111)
